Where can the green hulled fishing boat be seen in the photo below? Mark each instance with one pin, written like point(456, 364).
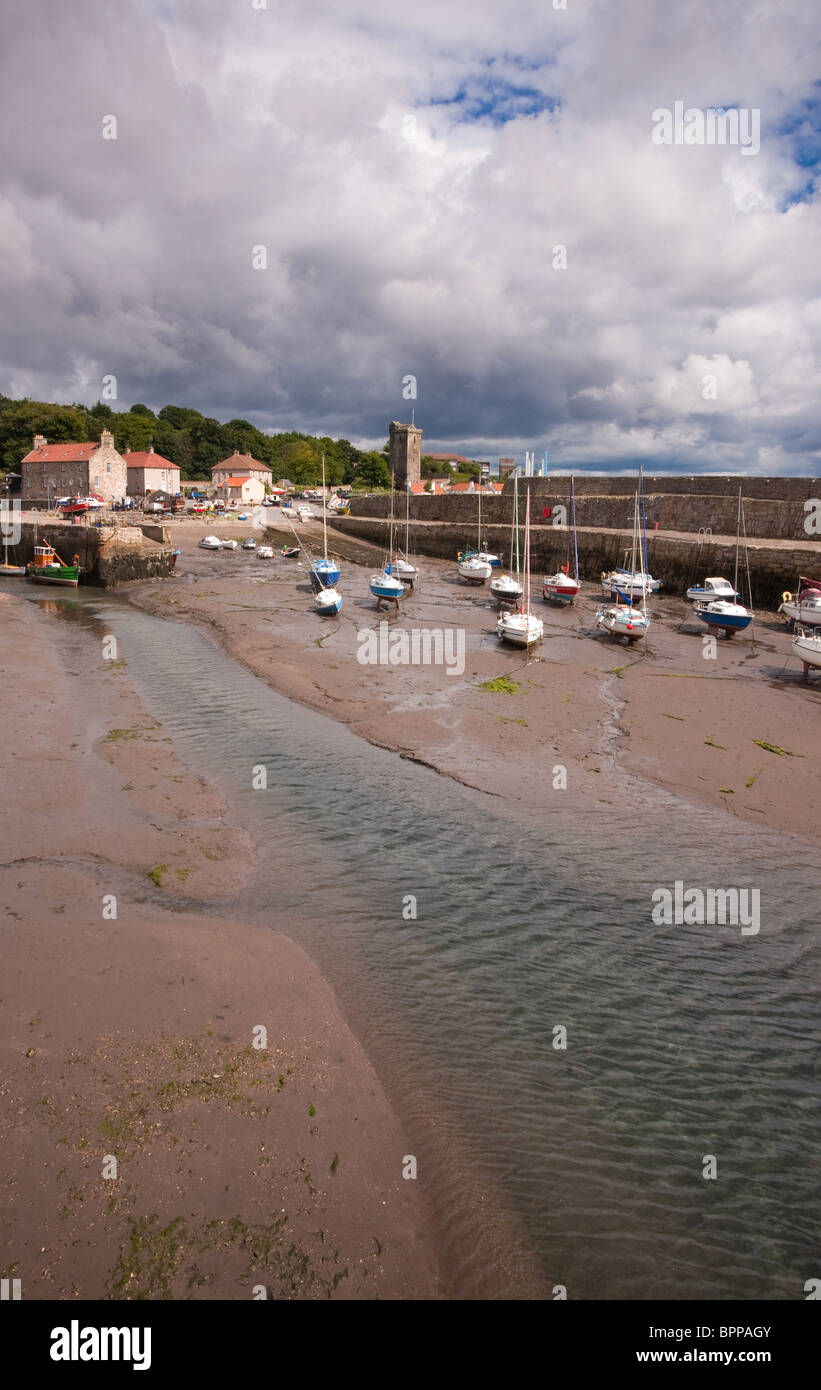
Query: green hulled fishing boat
point(48, 568)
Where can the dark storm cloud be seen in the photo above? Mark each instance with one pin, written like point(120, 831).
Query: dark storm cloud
point(406, 231)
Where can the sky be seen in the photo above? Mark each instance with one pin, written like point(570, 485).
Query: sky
point(308, 204)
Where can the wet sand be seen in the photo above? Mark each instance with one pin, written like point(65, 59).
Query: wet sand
point(620, 720)
point(151, 1148)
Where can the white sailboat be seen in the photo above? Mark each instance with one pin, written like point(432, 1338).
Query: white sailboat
point(475, 565)
point(402, 567)
point(807, 647)
point(386, 586)
point(623, 619)
point(327, 598)
point(522, 627)
point(504, 587)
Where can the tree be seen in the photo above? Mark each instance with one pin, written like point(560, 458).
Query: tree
point(140, 409)
point(372, 472)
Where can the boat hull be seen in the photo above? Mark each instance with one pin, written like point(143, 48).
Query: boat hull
point(506, 589)
point(475, 572)
point(66, 581)
point(622, 621)
point(328, 602)
point(520, 629)
point(561, 589)
point(725, 622)
point(324, 574)
point(9, 571)
point(808, 613)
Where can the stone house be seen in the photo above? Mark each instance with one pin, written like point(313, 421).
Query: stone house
point(52, 471)
point(150, 472)
point(240, 466)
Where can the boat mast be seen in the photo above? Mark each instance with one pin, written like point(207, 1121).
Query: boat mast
point(635, 537)
point(737, 537)
point(324, 514)
point(575, 537)
point(407, 516)
point(527, 556)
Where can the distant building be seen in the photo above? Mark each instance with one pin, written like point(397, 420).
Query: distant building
point(150, 472)
point(51, 471)
point(454, 460)
point(240, 466)
point(405, 453)
point(245, 490)
point(506, 466)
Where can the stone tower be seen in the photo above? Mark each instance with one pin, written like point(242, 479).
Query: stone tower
point(405, 456)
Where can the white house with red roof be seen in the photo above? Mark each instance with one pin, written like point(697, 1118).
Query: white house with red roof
point(150, 472)
point(241, 466)
point(51, 471)
point(242, 489)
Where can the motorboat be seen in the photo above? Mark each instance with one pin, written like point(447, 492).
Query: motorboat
point(265, 552)
point(249, 543)
point(724, 616)
point(210, 543)
point(228, 545)
point(711, 590)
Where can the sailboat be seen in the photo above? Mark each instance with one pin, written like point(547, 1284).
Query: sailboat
point(560, 588)
point(327, 601)
point(633, 582)
point(807, 647)
point(623, 619)
point(475, 565)
point(402, 567)
point(324, 573)
point(725, 615)
point(386, 586)
point(504, 587)
point(522, 627)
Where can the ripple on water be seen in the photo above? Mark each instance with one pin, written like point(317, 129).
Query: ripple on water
point(681, 1041)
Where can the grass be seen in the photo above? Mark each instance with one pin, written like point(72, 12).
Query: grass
point(711, 743)
point(673, 716)
point(114, 734)
point(156, 874)
point(774, 748)
point(500, 686)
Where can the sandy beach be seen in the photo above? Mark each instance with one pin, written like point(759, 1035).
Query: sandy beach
point(683, 714)
point(157, 1143)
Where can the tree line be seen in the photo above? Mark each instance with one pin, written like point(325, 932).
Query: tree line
point(192, 441)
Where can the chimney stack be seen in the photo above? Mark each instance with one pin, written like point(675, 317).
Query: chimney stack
point(39, 441)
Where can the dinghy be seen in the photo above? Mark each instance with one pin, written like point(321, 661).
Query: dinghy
point(324, 573)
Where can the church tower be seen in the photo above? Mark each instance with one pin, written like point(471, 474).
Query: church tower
point(405, 455)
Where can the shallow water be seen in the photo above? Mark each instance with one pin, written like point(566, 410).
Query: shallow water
point(581, 1167)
